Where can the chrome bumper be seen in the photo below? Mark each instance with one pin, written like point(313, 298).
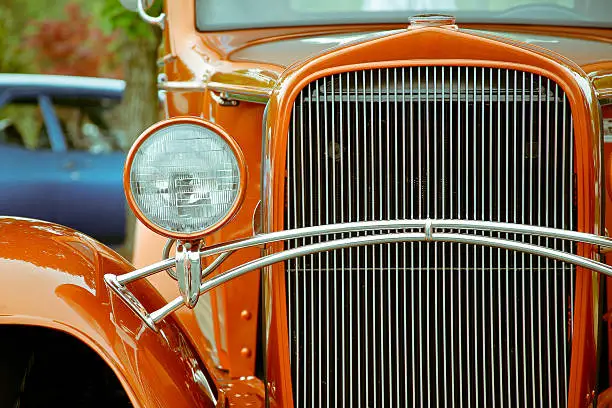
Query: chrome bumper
point(421, 230)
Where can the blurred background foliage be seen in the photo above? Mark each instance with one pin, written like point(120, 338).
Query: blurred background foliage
point(85, 38)
point(96, 38)
point(60, 37)
point(63, 37)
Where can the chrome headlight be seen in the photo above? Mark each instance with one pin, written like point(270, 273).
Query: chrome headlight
point(184, 177)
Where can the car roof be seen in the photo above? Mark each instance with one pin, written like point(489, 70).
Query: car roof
point(32, 85)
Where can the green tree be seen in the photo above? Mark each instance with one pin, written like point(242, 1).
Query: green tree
point(13, 58)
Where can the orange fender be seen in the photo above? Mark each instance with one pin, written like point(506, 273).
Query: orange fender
point(52, 276)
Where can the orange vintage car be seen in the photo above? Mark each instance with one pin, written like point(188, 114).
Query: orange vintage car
point(346, 207)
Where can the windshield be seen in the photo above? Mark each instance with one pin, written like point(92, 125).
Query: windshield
point(236, 14)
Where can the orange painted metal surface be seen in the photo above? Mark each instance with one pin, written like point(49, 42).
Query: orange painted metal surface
point(285, 51)
point(435, 46)
point(53, 277)
point(218, 56)
point(251, 59)
point(189, 57)
point(240, 391)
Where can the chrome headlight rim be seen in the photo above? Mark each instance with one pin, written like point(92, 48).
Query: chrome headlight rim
point(152, 130)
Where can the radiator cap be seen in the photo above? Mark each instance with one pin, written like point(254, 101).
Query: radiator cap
point(432, 20)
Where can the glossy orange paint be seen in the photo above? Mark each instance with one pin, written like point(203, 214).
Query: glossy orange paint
point(218, 57)
point(285, 52)
point(437, 46)
point(192, 55)
point(54, 279)
point(188, 58)
point(245, 391)
point(226, 43)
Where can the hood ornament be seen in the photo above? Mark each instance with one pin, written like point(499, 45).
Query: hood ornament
point(432, 20)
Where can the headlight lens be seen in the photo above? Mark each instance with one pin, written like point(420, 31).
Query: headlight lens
point(184, 178)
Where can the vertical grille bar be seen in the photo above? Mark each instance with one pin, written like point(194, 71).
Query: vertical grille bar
point(413, 341)
point(340, 145)
point(531, 222)
point(539, 259)
point(313, 394)
point(515, 236)
point(419, 253)
point(430, 323)
point(398, 304)
point(404, 253)
point(358, 215)
point(323, 183)
point(499, 252)
point(459, 247)
point(555, 180)
point(524, 205)
point(546, 199)
point(435, 214)
point(468, 330)
point(445, 362)
point(451, 256)
point(351, 335)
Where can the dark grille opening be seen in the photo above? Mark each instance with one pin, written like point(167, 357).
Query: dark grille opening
point(401, 324)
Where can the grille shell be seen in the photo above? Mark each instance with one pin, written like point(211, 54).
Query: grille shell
point(359, 148)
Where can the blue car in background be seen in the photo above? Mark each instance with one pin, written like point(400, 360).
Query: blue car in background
point(60, 155)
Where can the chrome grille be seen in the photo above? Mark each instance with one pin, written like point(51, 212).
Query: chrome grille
point(430, 323)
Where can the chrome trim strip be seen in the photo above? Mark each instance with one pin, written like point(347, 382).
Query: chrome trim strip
point(243, 93)
point(182, 86)
point(372, 226)
point(130, 300)
point(117, 284)
point(166, 254)
point(530, 249)
point(188, 267)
